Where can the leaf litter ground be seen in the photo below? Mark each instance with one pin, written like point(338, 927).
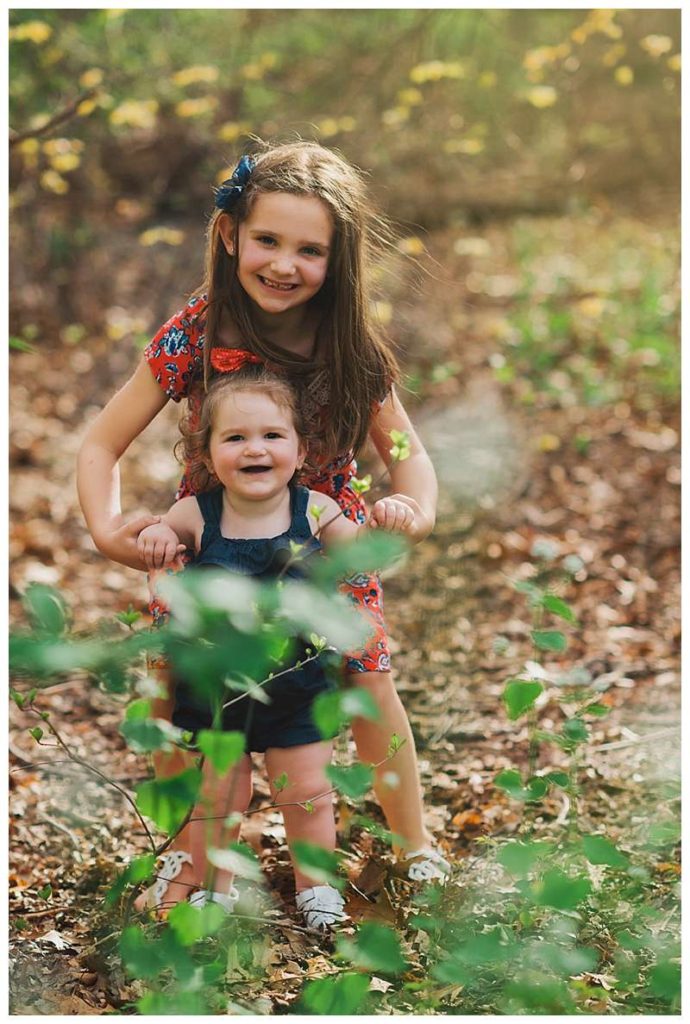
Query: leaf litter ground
point(509, 477)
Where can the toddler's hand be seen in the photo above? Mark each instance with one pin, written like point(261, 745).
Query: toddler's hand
point(393, 514)
point(159, 546)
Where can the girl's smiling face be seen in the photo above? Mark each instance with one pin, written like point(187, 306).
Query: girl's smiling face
point(284, 248)
point(254, 448)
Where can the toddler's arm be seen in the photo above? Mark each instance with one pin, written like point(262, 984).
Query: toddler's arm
point(161, 544)
point(391, 513)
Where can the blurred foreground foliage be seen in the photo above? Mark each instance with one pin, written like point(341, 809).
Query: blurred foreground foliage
point(556, 919)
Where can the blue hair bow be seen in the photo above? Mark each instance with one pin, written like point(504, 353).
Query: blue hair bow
point(228, 194)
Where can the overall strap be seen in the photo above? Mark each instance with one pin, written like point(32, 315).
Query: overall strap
point(211, 507)
point(300, 528)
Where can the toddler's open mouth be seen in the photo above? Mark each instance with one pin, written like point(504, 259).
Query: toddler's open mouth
point(255, 469)
point(276, 285)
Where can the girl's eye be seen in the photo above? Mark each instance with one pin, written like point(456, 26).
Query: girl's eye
point(272, 435)
point(311, 251)
point(234, 437)
point(266, 240)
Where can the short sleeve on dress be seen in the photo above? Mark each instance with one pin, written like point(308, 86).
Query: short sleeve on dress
point(175, 352)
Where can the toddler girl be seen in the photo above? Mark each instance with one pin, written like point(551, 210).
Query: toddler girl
point(250, 443)
point(287, 277)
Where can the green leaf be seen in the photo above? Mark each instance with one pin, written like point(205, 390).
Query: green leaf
point(664, 980)
point(520, 858)
point(167, 801)
point(147, 735)
point(511, 782)
point(354, 781)
point(46, 608)
point(20, 345)
point(575, 731)
point(237, 858)
point(558, 779)
point(341, 996)
point(36, 732)
point(558, 607)
point(129, 617)
point(193, 923)
point(597, 709)
point(319, 864)
point(281, 782)
point(600, 850)
point(18, 698)
point(336, 708)
point(223, 749)
point(361, 486)
point(519, 696)
point(559, 890)
point(140, 955)
point(375, 948)
point(46, 892)
point(549, 639)
point(184, 1004)
point(138, 870)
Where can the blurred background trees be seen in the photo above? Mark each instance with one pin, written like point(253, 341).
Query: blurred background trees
point(122, 120)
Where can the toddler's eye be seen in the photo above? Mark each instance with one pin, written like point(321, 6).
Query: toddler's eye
point(234, 437)
point(273, 435)
point(266, 240)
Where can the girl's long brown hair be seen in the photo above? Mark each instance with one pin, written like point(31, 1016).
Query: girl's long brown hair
point(359, 360)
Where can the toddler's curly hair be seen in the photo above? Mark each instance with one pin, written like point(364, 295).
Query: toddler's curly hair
point(193, 447)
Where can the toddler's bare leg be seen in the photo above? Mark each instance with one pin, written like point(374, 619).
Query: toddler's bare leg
point(219, 798)
point(402, 801)
point(305, 769)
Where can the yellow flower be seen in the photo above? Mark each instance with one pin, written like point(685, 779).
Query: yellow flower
point(674, 62)
point(624, 75)
point(169, 236)
point(29, 146)
point(253, 72)
point(230, 132)
point(470, 147)
point(65, 162)
point(57, 147)
point(347, 123)
point(656, 46)
point(135, 113)
point(410, 97)
point(51, 181)
point(86, 107)
point(487, 79)
point(613, 55)
point(198, 73)
point(268, 59)
point(91, 78)
point(548, 443)
point(412, 246)
point(328, 127)
point(542, 96)
point(35, 31)
point(196, 108)
point(591, 306)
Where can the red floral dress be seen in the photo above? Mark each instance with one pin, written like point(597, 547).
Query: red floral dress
point(175, 355)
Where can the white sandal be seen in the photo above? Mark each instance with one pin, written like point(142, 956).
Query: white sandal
point(171, 865)
point(226, 900)
point(427, 865)
point(321, 907)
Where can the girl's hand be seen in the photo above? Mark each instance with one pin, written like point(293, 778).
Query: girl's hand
point(159, 546)
point(394, 514)
point(119, 543)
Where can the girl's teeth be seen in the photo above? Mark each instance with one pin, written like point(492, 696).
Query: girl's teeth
point(280, 287)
